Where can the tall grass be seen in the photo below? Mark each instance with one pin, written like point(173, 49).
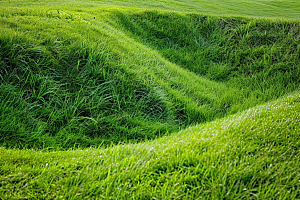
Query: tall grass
point(250, 155)
point(248, 55)
point(127, 103)
point(88, 78)
point(61, 91)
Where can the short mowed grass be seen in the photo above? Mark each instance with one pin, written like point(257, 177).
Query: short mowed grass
point(103, 101)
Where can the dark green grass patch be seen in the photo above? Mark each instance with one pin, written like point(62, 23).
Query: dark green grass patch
point(62, 90)
point(260, 58)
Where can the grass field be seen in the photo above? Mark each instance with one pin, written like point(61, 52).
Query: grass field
point(280, 9)
point(149, 100)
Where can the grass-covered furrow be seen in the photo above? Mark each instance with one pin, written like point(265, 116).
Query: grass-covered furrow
point(250, 155)
point(248, 55)
point(88, 77)
point(63, 85)
point(149, 99)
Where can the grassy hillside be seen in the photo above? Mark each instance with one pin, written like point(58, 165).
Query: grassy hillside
point(250, 155)
point(129, 99)
point(83, 79)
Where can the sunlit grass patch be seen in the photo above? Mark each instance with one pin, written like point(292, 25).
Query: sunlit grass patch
point(140, 102)
point(251, 154)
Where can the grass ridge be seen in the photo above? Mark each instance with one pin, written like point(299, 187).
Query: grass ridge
point(150, 101)
point(219, 159)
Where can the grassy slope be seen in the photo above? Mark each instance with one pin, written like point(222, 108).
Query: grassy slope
point(253, 154)
point(84, 81)
point(245, 55)
point(59, 81)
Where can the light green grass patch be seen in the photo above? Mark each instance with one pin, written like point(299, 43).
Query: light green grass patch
point(253, 154)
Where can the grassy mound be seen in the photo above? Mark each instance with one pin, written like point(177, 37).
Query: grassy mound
point(81, 78)
point(253, 154)
point(63, 88)
point(98, 100)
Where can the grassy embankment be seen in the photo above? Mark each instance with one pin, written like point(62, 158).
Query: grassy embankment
point(254, 154)
point(84, 77)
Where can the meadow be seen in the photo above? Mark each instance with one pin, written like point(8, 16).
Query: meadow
point(149, 100)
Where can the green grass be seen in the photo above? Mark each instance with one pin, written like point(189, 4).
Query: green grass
point(250, 155)
point(129, 99)
point(280, 9)
point(134, 76)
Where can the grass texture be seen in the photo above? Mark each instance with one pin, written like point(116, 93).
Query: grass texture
point(70, 81)
point(250, 155)
point(131, 100)
point(279, 9)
